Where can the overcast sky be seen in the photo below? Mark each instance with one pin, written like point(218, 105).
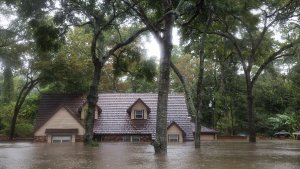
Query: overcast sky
point(152, 47)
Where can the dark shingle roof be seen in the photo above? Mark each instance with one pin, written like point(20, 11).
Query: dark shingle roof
point(114, 118)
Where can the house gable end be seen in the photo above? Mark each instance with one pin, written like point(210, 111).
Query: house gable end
point(63, 118)
point(174, 124)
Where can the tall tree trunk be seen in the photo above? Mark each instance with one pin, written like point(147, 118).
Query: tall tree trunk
point(231, 115)
point(200, 94)
point(200, 88)
point(200, 83)
point(251, 114)
point(92, 102)
point(160, 144)
point(29, 85)
point(92, 97)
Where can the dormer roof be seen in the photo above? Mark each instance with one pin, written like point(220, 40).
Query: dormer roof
point(139, 100)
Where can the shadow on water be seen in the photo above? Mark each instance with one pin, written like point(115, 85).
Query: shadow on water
point(211, 155)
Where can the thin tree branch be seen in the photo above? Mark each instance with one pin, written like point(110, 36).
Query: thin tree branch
point(271, 58)
point(124, 43)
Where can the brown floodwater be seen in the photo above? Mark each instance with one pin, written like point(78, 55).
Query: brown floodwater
point(211, 155)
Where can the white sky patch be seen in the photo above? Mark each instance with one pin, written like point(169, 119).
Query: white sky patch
point(7, 14)
point(152, 46)
point(5, 20)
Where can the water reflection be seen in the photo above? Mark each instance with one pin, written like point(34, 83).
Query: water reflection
point(211, 155)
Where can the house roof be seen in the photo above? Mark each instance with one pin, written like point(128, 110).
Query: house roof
point(51, 103)
point(297, 133)
point(114, 118)
point(204, 129)
point(283, 132)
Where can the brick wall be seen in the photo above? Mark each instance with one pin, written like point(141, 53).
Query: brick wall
point(79, 138)
point(40, 139)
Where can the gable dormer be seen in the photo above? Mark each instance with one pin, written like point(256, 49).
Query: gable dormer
point(138, 110)
point(82, 110)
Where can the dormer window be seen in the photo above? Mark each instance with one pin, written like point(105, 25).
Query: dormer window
point(138, 114)
point(138, 110)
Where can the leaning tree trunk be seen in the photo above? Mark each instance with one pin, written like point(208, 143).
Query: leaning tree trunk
point(29, 85)
point(160, 144)
point(187, 92)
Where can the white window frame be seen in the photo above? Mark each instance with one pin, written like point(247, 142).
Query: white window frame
point(175, 138)
point(138, 111)
point(61, 139)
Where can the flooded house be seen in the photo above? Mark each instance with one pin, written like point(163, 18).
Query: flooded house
point(207, 134)
point(127, 117)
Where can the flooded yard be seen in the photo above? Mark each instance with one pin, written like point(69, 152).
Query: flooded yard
point(211, 155)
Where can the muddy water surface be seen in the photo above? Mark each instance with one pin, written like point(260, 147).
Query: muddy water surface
point(211, 155)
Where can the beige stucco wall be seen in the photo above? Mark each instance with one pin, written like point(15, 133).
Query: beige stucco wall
point(139, 106)
point(61, 120)
point(175, 130)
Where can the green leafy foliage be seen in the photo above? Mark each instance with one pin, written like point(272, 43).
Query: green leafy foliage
point(5, 116)
point(69, 70)
point(286, 121)
point(24, 130)
point(47, 36)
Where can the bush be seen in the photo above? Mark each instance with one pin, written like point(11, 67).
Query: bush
point(24, 130)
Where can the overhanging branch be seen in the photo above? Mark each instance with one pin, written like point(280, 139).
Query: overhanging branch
point(276, 55)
